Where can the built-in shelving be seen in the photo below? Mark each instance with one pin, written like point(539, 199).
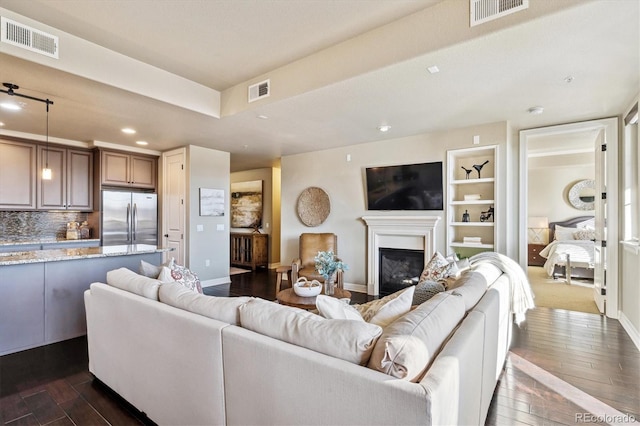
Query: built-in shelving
point(460, 184)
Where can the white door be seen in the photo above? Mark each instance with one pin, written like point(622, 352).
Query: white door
point(600, 255)
point(173, 207)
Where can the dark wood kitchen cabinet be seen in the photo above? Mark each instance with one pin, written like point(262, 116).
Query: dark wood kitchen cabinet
point(17, 175)
point(71, 183)
point(128, 170)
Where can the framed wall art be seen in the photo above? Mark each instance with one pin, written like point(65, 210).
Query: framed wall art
point(211, 202)
point(246, 204)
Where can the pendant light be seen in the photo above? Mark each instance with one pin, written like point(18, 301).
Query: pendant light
point(46, 171)
point(11, 91)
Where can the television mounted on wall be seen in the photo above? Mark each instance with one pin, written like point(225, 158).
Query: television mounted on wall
point(405, 187)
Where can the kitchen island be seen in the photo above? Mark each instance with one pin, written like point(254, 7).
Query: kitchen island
point(41, 291)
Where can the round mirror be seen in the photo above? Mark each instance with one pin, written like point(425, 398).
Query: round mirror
point(582, 195)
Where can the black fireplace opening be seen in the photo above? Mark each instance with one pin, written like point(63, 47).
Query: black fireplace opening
point(399, 268)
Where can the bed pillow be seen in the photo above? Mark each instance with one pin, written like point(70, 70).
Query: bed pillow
point(563, 233)
point(584, 234)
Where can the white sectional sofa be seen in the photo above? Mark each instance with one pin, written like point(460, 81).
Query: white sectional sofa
point(186, 368)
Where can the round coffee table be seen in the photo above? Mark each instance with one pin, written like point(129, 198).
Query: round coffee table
point(290, 298)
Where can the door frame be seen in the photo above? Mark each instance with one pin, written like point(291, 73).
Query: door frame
point(610, 128)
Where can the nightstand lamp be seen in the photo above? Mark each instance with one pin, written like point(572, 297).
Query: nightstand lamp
point(538, 227)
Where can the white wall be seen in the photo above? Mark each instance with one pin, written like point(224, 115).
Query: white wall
point(550, 179)
point(630, 284)
point(344, 183)
point(208, 168)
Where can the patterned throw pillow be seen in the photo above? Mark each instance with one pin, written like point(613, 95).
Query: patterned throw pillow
point(425, 291)
point(584, 234)
point(436, 269)
point(181, 275)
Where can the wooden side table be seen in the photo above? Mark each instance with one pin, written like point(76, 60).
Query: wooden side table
point(290, 298)
point(534, 258)
point(280, 271)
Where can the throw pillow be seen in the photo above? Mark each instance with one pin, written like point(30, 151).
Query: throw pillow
point(181, 275)
point(425, 291)
point(384, 311)
point(584, 234)
point(223, 309)
point(349, 340)
point(332, 308)
point(149, 270)
point(407, 346)
point(436, 268)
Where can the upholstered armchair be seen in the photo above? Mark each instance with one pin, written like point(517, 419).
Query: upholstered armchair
point(310, 245)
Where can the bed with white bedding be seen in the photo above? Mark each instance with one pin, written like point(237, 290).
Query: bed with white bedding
point(572, 248)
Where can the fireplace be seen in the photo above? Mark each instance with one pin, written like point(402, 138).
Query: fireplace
point(399, 232)
point(399, 268)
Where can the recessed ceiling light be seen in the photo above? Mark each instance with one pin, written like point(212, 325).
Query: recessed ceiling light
point(536, 110)
point(384, 128)
point(568, 79)
point(1, 124)
point(433, 69)
point(128, 131)
point(262, 117)
point(142, 143)
point(10, 106)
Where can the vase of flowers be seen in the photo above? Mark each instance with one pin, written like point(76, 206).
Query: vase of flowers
point(327, 265)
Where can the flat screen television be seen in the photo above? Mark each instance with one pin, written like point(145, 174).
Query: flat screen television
point(405, 187)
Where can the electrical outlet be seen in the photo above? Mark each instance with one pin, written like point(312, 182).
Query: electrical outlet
point(207, 263)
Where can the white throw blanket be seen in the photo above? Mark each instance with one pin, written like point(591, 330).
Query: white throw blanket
point(521, 294)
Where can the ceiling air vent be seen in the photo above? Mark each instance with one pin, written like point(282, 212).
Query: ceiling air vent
point(487, 10)
point(259, 90)
point(28, 38)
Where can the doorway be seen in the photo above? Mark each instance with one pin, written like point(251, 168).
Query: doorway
point(542, 153)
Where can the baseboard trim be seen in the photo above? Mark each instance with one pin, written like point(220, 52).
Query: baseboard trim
point(215, 281)
point(630, 329)
point(359, 288)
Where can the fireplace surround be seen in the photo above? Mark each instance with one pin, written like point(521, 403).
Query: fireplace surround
point(401, 232)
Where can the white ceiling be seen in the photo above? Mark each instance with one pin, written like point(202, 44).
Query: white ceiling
point(486, 75)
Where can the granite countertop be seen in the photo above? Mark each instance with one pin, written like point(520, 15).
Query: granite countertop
point(55, 255)
point(45, 241)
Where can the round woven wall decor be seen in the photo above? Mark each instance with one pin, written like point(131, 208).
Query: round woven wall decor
point(313, 206)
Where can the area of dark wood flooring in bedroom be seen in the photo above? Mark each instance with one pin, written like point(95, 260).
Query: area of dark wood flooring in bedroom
point(564, 368)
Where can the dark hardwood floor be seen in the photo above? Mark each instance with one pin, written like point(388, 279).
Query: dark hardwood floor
point(564, 368)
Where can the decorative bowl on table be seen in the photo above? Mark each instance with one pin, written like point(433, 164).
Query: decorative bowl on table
point(306, 288)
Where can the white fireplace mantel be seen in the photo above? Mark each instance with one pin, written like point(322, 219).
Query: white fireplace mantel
point(401, 232)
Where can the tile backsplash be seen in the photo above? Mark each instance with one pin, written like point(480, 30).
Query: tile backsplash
point(35, 225)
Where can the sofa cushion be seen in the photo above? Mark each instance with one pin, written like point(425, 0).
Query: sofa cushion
point(219, 308)
point(384, 311)
point(128, 280)
point(472, 286)
point(425, 291)
point(340, 338)
point(407, 346)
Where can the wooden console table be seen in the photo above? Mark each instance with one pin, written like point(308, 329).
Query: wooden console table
point(250, 250)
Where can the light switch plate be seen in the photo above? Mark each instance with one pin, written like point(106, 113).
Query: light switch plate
point(220, 227)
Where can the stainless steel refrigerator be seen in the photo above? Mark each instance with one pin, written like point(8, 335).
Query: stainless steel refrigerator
point(129, 218)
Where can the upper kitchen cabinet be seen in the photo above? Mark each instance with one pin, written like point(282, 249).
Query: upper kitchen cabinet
point(130, 170)
point(71, 183)
point(17, 175)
